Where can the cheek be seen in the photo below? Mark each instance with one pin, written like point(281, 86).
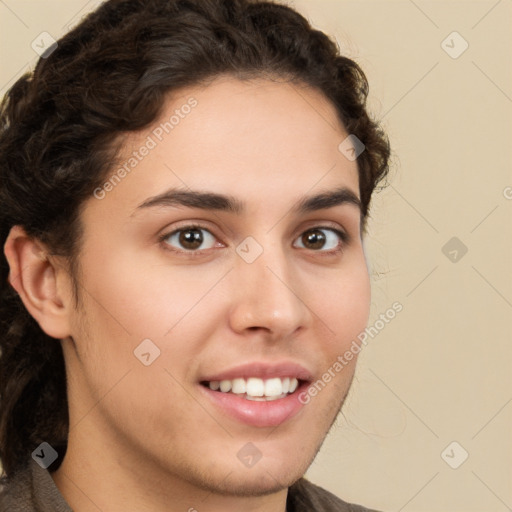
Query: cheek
point(344, 304)
point(144, 300)
point(170, 305)
point(122, 309)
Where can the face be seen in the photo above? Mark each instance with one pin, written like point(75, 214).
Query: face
point(251, 287)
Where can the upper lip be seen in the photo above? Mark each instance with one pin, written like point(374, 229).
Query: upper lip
point(263, 371)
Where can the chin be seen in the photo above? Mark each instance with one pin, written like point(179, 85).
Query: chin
point(249, 482)
point(264, 478)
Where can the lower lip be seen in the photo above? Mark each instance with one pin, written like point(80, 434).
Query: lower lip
point(257, 413)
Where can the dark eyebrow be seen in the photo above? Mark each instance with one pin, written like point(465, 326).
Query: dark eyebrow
point(328, 199)
point(221, 202)
point(194, 199)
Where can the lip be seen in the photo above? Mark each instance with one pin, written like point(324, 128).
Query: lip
point(259, 413)
point(253, 413)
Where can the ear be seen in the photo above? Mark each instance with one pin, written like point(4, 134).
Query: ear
point(41, 284)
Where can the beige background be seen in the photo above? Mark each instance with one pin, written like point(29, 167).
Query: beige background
point(441, 370)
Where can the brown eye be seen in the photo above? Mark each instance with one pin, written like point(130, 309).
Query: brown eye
point(190, 238)
point(313, 239)
point(322, 239)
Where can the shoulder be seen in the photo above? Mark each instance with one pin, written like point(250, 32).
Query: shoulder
point(16, 492)
point(305, 496)
point(31, 489)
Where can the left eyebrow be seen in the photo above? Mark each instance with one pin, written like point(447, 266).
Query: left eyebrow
point(227, 203)
point(328, 199)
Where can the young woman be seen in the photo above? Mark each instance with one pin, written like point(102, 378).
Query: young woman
point(184, 189)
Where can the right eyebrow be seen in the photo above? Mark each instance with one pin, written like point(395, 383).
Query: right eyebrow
point(194, 199)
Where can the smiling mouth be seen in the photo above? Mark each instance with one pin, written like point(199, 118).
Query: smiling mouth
point(255, 388)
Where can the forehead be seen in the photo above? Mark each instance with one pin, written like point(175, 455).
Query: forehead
point(260, 139)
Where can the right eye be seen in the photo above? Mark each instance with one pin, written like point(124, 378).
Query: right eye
point(189, 239)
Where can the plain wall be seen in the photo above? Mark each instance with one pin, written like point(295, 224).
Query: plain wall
point(440, 371)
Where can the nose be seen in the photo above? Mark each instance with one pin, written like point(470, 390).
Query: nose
point(268, 295)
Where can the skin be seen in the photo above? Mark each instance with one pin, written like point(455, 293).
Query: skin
point(143, 438)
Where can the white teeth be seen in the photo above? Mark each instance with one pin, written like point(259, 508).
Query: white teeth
point(255, 388)
point(225, 386)
point(238, 386)
point(273, 387)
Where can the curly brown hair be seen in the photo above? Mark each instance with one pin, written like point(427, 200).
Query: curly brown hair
point(59, 133)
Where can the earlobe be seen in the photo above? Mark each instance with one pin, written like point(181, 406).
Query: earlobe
point(36, 278)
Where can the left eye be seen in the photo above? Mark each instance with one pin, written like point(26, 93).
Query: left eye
point(324, 239)
point(191, 238)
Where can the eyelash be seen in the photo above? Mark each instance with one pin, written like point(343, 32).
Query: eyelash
point(344, 237)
